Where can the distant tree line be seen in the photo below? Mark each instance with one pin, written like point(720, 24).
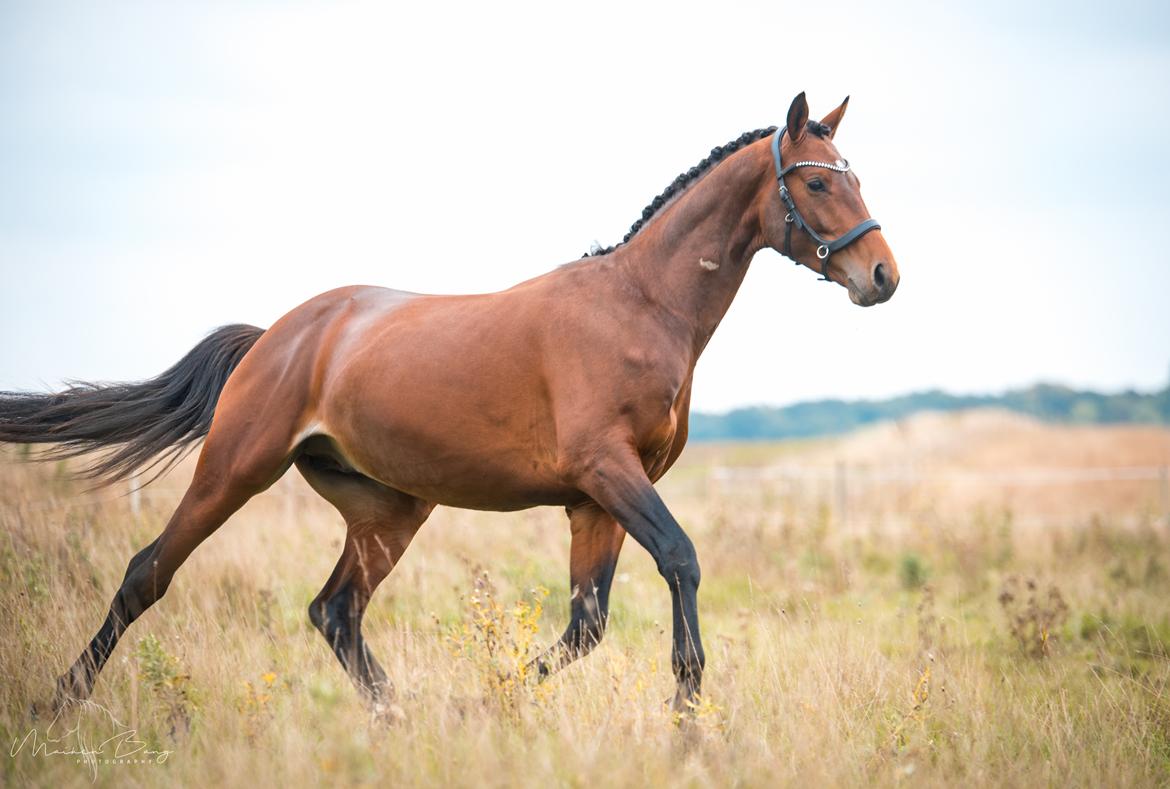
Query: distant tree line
point(827, 417)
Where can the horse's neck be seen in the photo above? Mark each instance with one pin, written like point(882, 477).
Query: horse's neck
point(691, 259)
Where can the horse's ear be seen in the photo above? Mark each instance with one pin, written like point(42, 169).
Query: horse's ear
point(833, 119)
point(797, 118)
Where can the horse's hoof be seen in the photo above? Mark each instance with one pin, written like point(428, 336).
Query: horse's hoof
point(40, 709)
point(682, 704)
point(53, 707)
point(62, 704)
point(388, 714)
point(68, 691)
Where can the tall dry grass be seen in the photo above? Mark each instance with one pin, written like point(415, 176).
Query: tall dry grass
point(930, 653)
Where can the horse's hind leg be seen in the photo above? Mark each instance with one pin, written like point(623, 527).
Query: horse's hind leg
point(225, 478)
point(380, 523)
point(593, 555)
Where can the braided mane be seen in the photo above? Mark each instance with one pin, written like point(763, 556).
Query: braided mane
point(685, 179)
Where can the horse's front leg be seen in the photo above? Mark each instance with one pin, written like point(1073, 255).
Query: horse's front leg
point(620, 485)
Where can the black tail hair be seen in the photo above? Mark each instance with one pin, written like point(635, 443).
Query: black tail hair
point(161, 418)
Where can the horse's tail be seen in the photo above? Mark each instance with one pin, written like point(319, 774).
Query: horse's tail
point(158, 419)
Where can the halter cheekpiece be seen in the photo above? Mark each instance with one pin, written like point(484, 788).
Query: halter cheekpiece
point(825, 247)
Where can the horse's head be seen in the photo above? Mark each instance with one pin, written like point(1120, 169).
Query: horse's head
point(817, 217)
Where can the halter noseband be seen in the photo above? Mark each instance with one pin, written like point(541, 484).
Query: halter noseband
point(825, 247)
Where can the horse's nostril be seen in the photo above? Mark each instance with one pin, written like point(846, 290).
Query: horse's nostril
point(879, 276)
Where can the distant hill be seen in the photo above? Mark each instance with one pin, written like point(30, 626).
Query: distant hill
point(1048, 402)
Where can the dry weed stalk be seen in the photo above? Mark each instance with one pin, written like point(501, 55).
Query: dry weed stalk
point(1032, 618)
point(499, 641)
point(162, 673)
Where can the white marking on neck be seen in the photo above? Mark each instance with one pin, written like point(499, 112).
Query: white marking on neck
point(710, 265)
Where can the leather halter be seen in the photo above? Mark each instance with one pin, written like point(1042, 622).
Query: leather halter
point(825, 247)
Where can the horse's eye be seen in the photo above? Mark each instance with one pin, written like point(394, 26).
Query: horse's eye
point(816, 185)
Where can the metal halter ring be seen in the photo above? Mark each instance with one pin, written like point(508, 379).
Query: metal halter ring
point(788, 217)
point(823, 251)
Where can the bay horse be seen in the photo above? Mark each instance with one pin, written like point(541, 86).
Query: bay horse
point(570, 389)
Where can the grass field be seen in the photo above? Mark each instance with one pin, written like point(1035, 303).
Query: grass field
point(974, 634)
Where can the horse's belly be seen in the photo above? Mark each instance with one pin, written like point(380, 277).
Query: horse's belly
point(446, 448)
point(460, 478)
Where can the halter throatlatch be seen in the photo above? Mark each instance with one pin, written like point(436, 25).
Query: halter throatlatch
point(825, 247)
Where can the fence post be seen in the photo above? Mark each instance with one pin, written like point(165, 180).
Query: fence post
point(842, 491)
point(290, 501)
point(1164, 476)
point(135, 496)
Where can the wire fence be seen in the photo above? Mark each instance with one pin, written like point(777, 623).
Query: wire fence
point(848, 488)
point(1022, 476)
point(136, 495)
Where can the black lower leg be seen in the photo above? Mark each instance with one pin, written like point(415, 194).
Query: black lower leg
point(622, 488)
point(339, 619)
point(139, 590)
point(687, 657)
point(593, 555)
point(589, 613)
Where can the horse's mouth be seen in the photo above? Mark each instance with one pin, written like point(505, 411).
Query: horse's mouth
point(857, 297)
point(861, 299)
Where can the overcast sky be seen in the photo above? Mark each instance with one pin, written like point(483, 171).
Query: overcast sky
point(165, 169)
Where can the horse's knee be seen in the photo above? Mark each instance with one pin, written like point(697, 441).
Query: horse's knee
point(679, 564)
